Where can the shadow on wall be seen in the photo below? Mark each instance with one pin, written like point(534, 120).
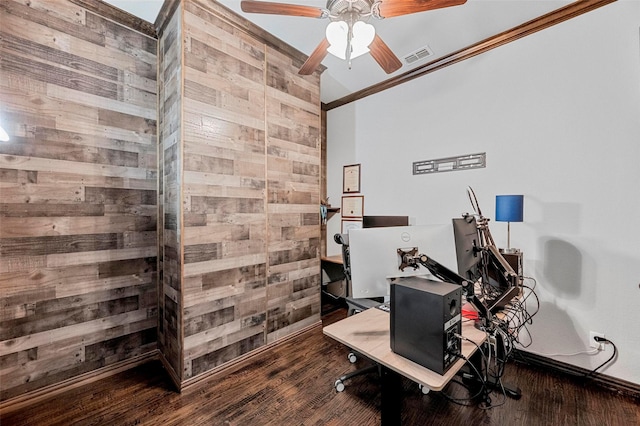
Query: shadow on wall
point(568, 272)
point(554, 332)
point(563, 267)
point(563, 338)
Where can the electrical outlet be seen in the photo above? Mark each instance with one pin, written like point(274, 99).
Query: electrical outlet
point(592, 340)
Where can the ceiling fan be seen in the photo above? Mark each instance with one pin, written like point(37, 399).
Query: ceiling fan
point(348, 35)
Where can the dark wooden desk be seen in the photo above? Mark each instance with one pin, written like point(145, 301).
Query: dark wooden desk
point(337, 259)
point(334, 285)
point(368, 334)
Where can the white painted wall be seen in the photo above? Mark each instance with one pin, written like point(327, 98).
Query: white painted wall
point(341, 137)
point(558, 114)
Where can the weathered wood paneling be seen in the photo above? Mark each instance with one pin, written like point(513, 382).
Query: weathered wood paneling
point(248, 233)
point(293, 186)
point(170, 332)
point(78, 193)
point(224, 181)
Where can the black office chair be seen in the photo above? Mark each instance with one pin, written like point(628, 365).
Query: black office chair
point(354, 305)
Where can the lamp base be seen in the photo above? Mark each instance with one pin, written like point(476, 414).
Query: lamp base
point(514, 259)
point(510, 250)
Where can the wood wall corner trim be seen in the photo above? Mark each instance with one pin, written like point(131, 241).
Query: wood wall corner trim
point(169, 369)
point(165, 14)
point(118, 15)
point(229, 16)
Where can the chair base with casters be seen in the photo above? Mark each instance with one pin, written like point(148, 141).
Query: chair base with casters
point(354, 305)
point(339, 384)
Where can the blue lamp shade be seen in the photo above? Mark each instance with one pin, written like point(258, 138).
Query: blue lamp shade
point(509, 208)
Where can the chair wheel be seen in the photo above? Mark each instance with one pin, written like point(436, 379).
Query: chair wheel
point(425, 390)
point(339, 385)
point(352, 357)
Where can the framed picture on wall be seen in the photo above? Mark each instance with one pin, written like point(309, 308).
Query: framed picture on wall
point(352, 206)
point(348, 224)
point(351, 179)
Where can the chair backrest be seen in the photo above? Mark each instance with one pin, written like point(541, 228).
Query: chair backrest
point(354, 305)
point(343, 240)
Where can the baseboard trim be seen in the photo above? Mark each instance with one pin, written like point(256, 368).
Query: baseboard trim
point(614, 384)
point(170, 371)
point(40, 394)
point(610, 383)
point(245, 359)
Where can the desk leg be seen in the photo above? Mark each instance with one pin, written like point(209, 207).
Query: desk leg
point(509, 389)
point(391, 402)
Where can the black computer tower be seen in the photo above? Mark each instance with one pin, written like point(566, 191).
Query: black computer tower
point(425, 317)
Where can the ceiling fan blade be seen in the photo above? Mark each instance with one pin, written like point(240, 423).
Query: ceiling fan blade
point(391, 8)
point(384, 56)
point(281, 9)
point(315, 58)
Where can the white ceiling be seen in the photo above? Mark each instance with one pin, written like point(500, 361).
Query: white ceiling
point(443, 31)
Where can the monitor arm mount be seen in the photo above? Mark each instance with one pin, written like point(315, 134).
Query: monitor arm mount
point(411, 258)
point(495, 271)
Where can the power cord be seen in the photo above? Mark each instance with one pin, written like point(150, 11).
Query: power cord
point(460, 336)
point(482, 391)
point(591, 352)
point(503, 334)
point(613, 355)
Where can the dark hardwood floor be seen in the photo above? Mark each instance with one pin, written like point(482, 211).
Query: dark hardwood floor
point(293, 385)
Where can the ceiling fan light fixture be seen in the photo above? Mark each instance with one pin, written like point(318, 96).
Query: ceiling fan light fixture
point(338, 34)
point(363, 35)
point(348, 35)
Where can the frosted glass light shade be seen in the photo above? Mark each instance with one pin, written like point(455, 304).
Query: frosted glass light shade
point(337, 37)
point(337, 33)
point(363, 35)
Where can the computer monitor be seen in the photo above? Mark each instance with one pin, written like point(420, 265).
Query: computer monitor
point(384, 221)
point(374, 257)
point(468, 245)
point(496, 280)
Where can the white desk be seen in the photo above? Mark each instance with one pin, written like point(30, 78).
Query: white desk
point(368, 334)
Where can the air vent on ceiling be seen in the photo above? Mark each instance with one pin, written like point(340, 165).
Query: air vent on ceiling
point(418, 55)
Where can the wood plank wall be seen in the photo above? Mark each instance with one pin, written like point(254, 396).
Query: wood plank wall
point(170, 65)
point(293, 186)
point(250, 199)
point(77, 193)
point(224, 200)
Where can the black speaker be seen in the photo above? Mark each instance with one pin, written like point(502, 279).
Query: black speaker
point(425, 318)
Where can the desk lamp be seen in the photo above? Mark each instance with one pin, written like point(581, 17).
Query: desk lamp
point(509, 208)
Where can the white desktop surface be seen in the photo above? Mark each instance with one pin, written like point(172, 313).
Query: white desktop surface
point(368, 333)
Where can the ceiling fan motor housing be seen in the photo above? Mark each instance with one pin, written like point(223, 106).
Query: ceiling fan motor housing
point(339, 8)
